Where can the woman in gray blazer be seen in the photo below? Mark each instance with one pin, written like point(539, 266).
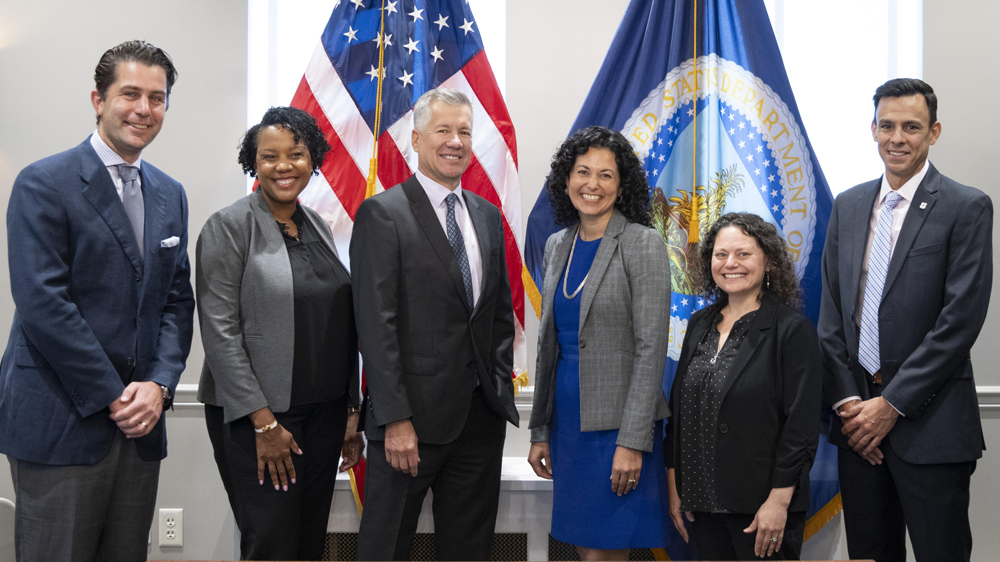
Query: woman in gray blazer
point(280, 380)
point(602, 345)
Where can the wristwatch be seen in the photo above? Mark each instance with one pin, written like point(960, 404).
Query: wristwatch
point(168, 397)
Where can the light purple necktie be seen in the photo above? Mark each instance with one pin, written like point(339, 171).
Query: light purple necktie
point(878, 266)
point(132, 198)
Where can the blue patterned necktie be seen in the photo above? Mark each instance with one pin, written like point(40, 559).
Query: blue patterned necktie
point(878, 266)
point(132, 198)
point(458, 246)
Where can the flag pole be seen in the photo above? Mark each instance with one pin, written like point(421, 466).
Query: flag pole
point(694, 223)
point(373, 163)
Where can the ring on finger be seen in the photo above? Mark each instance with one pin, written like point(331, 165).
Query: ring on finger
point(632, 481)
point(142, 423)
point(774, 539)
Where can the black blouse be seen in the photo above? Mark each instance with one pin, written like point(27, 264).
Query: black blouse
point(326, 340)
point(700, 402)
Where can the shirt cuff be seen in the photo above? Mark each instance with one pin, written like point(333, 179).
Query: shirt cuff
point(837, 406)
point(894, 408)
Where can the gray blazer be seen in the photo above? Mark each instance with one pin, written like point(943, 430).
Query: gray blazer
point(245, 298)
point(624, 324)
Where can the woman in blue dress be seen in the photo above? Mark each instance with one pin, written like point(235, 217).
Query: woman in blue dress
point(598, 406)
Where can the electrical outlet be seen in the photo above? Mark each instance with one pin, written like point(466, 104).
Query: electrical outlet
point(171, 527)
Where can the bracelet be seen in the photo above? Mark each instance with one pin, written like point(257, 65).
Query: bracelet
point(351, 410)
point(267, 427)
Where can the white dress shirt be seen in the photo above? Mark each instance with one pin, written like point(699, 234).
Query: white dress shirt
point(906, 192)
point(436, 193)
point(112, 160)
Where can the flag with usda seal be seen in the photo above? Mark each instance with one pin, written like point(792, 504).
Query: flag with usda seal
point(699, 89)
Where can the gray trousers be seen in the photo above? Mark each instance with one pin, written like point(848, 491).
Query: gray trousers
point(85, 513)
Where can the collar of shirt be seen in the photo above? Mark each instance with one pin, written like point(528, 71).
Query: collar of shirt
point(908, 190)
point(112, 160)
point(436, 192)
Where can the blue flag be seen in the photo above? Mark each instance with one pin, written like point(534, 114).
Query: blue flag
point(700, 90)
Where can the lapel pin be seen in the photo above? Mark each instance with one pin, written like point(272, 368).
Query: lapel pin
point(923, 205)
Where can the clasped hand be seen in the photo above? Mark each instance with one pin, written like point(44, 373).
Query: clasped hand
point(138, 409)
point(866, 423)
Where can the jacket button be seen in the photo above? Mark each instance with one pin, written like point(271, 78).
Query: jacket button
point(583, 344)
point(130, 361)
point(471, 365)
point(723, 428)
point(138, 277)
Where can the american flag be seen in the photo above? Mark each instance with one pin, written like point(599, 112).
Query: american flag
point(428, 43)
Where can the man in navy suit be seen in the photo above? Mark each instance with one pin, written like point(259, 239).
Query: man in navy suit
point(907, 273)
point(97, 248)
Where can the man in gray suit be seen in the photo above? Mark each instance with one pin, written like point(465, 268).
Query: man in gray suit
point(907, 273)
point(435, 323)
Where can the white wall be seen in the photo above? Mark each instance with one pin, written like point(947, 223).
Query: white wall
point(48, 50)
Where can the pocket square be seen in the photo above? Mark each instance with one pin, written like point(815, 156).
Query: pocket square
point(170, 242)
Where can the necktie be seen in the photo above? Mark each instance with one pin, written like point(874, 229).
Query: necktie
point(458, 246)
point(132, 198)
point(878, 265)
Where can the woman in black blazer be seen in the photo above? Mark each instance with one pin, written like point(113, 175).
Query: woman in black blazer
point(746, 401)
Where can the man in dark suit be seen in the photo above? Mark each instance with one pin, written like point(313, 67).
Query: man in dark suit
point(907, 272)
point(97, 245)
point(435, 323)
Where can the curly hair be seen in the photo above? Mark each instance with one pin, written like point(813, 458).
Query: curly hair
point(303, 127)
point(634, 201)
point(783, 282)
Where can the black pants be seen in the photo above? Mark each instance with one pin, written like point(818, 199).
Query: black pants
point(882, 501)
point(274, 524)
point(720, 536)
point(465, 477)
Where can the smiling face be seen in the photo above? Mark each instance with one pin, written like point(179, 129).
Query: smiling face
point(283, 166)
point(593, 184)
point(444, 147)
point(904, 134)
point(132, 110)
point(738, 263)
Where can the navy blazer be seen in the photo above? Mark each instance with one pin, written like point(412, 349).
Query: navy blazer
point(934, 302)
point(91, 315)
point(768, 426)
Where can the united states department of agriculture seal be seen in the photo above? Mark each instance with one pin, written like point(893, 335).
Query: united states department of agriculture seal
point(750, 156)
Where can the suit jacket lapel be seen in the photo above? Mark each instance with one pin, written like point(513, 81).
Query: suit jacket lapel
point(482, 237)
point(428, 221)
point(861, 212)
point(921, 206)
point(609, 243)
point(154, 209)
point(755, 334)
point(100, 191)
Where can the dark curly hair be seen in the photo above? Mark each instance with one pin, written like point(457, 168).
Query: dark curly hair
point(784, 284)
point(634, 201)
point(303, 127)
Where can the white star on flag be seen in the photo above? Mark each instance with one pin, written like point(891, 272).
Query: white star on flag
point(390, 7)
point(436, 53)
point(406, 79)
point(351, 34)
point(467, 26)
point(442, 22)
point(411, 46)
point(415, 14)
point(373, 73)
point(358, 4)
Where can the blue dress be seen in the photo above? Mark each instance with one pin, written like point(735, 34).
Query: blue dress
point(585, 510)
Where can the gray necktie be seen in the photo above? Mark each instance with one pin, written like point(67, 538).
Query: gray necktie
point(457, 243)
point(132, 198)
